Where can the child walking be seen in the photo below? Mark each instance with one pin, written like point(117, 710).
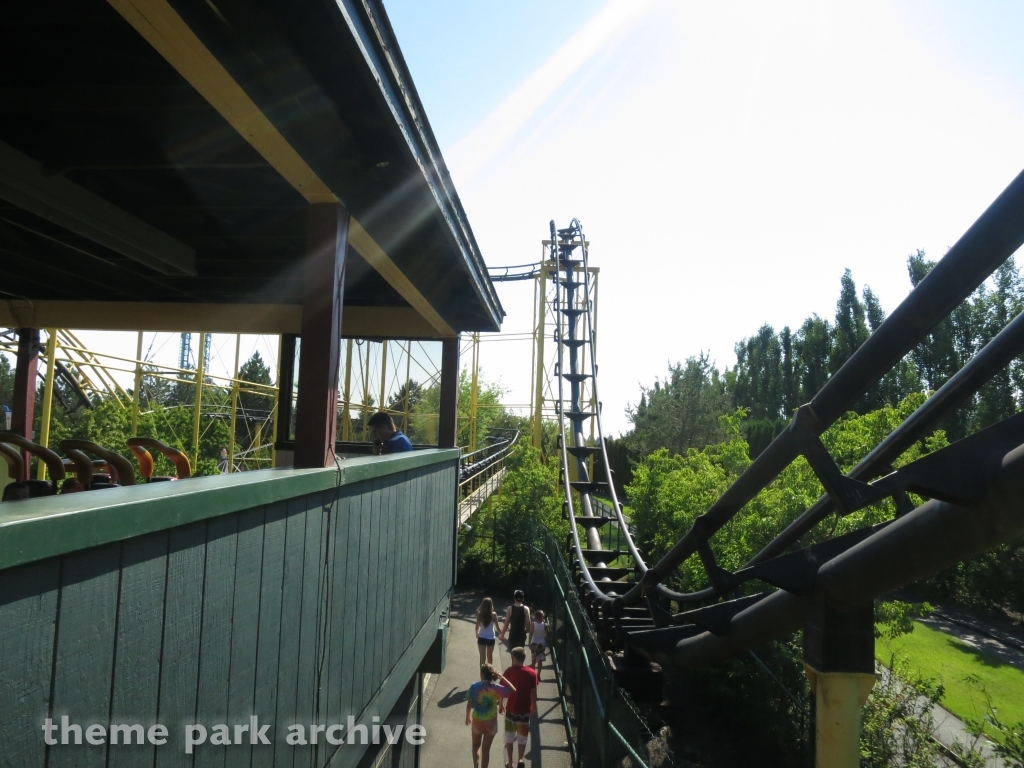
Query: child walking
point(486, 630)
point(538, 641)
point(482, 700)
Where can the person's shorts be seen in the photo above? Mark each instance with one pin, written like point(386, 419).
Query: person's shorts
point(539, 651)
point(485, 727)
point(485, 641)
point(517, 641)
point(517, 728)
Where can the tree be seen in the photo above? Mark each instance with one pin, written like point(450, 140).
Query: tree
point(254, 403)
point(6, 382)
point(812, 349)
point(682, 412)
point(850, 330)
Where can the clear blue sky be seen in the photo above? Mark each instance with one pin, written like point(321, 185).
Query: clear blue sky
point(466, 56)
point(766, 146)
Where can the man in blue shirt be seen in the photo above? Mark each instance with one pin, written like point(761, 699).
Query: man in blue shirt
point(386, 438)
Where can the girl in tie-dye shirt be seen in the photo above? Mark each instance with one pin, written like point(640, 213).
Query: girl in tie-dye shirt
point(482, 711)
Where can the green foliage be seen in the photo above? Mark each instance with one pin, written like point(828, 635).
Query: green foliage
point(896, 721)
point(1009, 739)
point(669, 492)
point(499, 541)
point(775, 373)
point(894, 618)
point(973, 681)
point(740, 696)
point(682, 412)
point(424, 411)
point(6, 382)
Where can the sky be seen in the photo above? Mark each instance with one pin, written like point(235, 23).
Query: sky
point(727, 160)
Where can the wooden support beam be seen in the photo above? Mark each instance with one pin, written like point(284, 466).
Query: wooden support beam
point(286, 384)
point(357, 322)
point(320, 355)
point(23, 409)
point(168, 33)
point(447, 428)
point(56, 199)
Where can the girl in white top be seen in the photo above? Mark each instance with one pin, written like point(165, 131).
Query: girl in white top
point(538, 641)
point(486, 629)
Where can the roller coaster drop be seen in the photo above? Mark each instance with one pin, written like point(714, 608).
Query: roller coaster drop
point(975, 487)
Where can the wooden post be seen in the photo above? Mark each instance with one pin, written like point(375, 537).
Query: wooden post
point(197, 408)
point(383, 374)
point(408, 368)
point(320, 361)
point(365, 362)
point(285, 386)
point(346, 396)
point(48, 384)
point(137, 392)
point(473, 392)
point(23, 411)
point(448, 418)
point(538, 340)
point(234, 407)
point(274, 408)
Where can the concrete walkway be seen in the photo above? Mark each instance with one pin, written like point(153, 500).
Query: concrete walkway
point(444, 707)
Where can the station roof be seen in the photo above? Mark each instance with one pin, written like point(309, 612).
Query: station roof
point(167, 150)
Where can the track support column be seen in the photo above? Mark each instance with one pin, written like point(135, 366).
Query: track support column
point(320, 356)
point(839, 660)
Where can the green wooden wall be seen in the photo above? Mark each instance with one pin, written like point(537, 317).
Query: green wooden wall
point(306, 609)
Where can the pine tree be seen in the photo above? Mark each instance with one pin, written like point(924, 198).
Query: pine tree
point(850, 329)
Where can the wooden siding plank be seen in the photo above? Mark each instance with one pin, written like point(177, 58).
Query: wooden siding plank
point(183, 606)
point(270, 629)
point(386, 565)
point(245, 625)
point(216, 639)
point(309, 624)
point(28, 614)
point(364, 653)
point(350, 615)
point(374, 616)
point(291, 616)
point(339, 627)
point(140, 623)
point(85, 649)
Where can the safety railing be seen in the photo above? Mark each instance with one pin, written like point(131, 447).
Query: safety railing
point(603, 726)
point(480, 472)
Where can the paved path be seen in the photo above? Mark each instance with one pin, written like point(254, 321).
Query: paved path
point(444, 708)
point(977, 634)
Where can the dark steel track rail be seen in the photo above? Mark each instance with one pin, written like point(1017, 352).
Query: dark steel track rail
point(971, 474)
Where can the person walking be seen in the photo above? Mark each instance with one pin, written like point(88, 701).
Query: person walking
point(517, 621)
point(486, 630)
point(538, 641)
point(522, 704)
point(482, 711)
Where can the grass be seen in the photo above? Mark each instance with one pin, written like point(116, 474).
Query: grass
point(966, 673)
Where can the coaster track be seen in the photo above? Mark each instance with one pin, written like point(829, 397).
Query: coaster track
point(974, 485)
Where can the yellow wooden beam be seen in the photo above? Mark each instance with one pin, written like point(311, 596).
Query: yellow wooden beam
point(367, 247)
point(356, 322)
point(173, 39)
